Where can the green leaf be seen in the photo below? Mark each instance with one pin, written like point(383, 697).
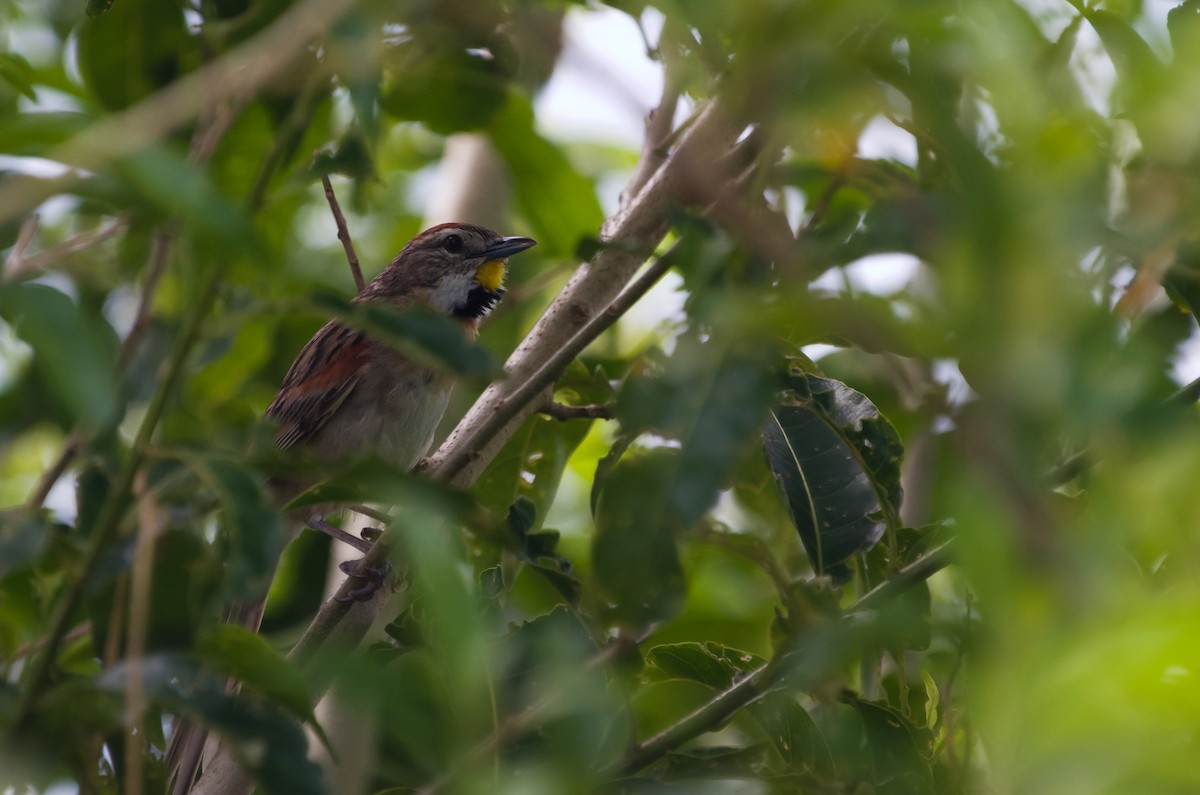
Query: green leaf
point(126, 54)
point(898, 748)
point(251, 522)
point(17, 72)
point(448, 86)
point(176, 187)
point(247, 657)
point(373, 480)
point(74, 353)
point(1129, 51)
point(792, 731)
point(735, 404)
point(270, 745)
point(34, 134)
point(837, 462)
point(23, 537)
point(713, 398)
point(558, 202)
point(633, 551)
point(530, 466)
point(708, 663)
point(185, 592)
point(427, 336)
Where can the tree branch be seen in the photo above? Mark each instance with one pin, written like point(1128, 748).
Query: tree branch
point(343, 234)
point(15, 261)
point(21, 267)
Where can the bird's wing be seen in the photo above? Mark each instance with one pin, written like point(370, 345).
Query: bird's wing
point(320, 380)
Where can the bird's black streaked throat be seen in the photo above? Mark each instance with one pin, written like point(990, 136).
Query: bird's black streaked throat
point(480, 301)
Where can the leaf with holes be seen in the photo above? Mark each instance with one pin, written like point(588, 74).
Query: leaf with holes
point(837, 462)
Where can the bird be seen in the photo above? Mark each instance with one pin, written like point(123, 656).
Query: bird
point(347, 395)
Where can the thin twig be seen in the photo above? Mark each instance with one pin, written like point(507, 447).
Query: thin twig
point(919, 570)
point(151, 522)
point(563, 412)
point(17, 269)
point(13, 263)
point(343, 234)
point(34, 646)
point(55, 470)
point(160, 255)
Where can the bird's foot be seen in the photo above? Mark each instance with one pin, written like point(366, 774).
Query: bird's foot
point(371, 534)
point(372, 577)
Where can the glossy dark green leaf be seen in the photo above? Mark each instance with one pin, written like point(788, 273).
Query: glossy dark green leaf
point(74, 352)
point(708, 663)
point(837, 462)
point(558, 202)
point(792, 731)
point(428, 337)
point(898, 748)
point(634, 556)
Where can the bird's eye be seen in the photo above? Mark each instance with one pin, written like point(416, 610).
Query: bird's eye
point(452, 243)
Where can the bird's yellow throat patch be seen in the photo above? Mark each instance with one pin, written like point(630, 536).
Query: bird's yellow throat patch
point(491, 275)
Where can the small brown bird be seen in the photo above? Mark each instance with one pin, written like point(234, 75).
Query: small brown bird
point(347, 395)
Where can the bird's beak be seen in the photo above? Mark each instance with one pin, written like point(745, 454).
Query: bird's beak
point(490, 275)
point(507, 246)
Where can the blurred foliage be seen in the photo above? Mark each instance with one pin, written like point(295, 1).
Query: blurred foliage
point(957, 299)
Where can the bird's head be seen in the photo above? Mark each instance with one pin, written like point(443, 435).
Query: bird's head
point(454, 268)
